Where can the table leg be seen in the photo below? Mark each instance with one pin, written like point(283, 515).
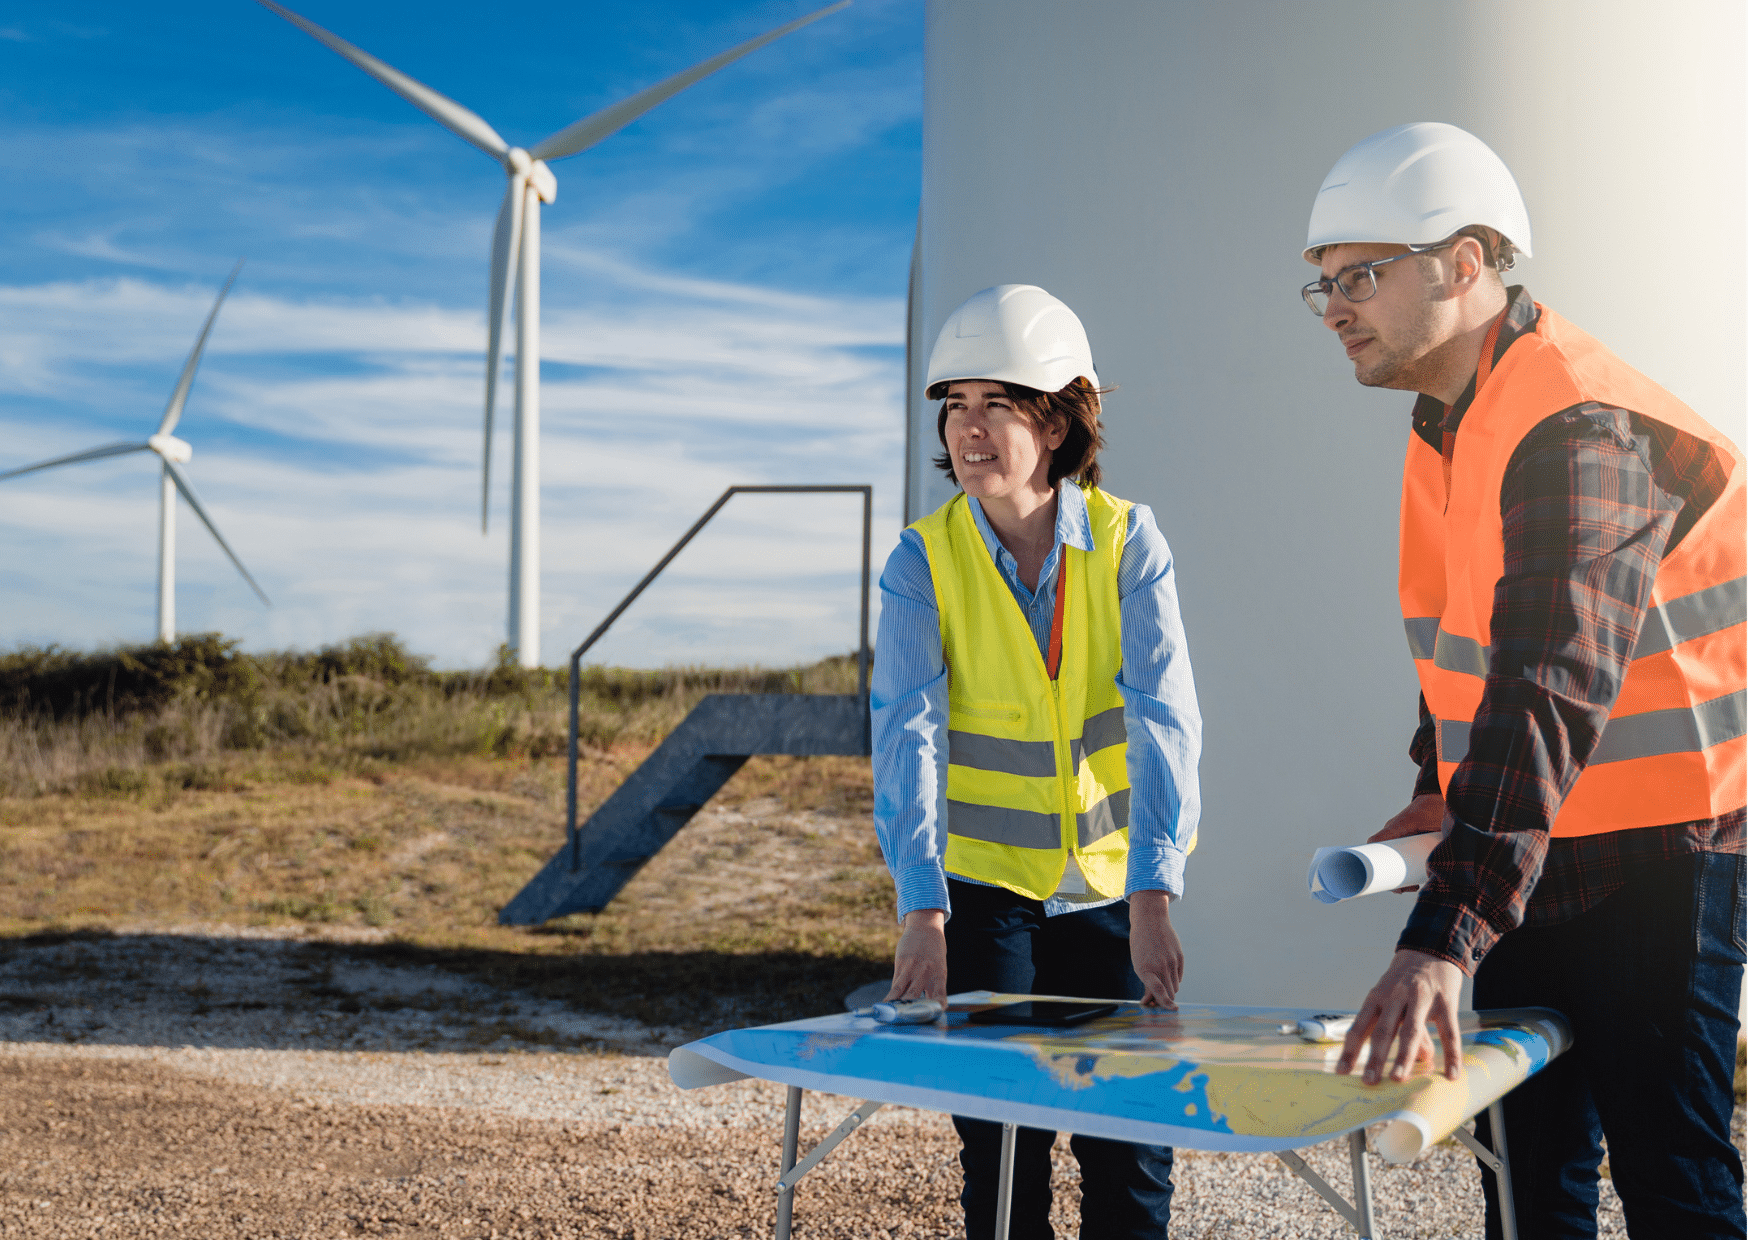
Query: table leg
point(791, 1141)
point(1324, 1190)
point(1502, 1173)
point(1004, 1192)
point(1362, 1184)
point(1495, 1161)
point(792, 1177)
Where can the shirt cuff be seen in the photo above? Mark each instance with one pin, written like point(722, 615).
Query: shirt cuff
point(1159, 868)
point(1423, 750)
point(922, 886)
point(1478, 883)
point(1446, 929)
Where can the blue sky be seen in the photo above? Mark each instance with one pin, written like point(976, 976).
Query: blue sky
point(723, 302)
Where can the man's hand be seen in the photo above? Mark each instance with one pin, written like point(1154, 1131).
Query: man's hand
point(1154, 949)
point(1414, 987)
point(1425, 814)
point(919, 966)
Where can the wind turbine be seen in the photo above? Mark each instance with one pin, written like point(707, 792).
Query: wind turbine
point(516, 268)
point(173, 454)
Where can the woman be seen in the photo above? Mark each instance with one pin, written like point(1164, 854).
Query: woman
point(1031, 672)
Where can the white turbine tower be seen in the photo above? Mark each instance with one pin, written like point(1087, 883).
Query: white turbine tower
point(173, 453)
point(516, 261)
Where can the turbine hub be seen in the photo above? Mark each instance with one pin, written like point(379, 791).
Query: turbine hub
point(534, 171)
point(544, 183)
point(171, 448)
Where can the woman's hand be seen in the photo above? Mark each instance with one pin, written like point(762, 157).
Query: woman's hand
point(1154, 949)
point(919, 966)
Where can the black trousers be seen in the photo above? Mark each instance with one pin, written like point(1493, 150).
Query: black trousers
point(1649, 980)
point(997, 940)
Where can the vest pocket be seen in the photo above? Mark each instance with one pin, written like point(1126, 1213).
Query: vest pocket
point(995, 712)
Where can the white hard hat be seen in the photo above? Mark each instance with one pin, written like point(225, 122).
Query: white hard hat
point(1414, 185)
point(1012, 333)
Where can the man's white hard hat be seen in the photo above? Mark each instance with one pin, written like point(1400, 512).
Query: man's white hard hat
point(1416, 184)
point(1012, 333)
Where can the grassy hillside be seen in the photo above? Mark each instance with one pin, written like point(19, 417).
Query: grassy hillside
point(356, 790)
point(122, 720)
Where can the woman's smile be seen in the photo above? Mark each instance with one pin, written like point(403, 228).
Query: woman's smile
point(997, 451)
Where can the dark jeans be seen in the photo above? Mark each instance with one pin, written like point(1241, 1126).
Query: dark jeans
point(997, 940)
point(1649, 980)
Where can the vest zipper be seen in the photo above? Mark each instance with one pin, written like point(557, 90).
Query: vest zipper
point(1065, 781)
point(1066, 776)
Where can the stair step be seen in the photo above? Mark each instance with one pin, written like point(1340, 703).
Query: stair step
point(674, 783)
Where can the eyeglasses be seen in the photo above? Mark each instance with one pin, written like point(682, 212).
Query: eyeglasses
point(1359, 282)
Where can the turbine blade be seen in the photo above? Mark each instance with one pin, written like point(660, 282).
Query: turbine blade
point(187, 489)
point(440, 108)
point(178, 398)
point(610, 120)
point(90, 454)
point(506, 249)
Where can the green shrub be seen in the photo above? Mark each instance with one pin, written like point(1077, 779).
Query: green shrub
point(97, 721)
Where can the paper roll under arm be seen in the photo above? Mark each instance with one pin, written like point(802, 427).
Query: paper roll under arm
point(1346, 873)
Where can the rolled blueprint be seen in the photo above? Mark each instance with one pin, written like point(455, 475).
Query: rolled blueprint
point(1345, 873)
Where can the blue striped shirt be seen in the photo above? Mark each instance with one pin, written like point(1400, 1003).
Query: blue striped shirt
point(909, 704)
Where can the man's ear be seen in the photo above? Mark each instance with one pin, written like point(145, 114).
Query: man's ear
point(1057, 432)
point(1468, 262)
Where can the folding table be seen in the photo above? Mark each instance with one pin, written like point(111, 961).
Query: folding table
point(1204, 1077)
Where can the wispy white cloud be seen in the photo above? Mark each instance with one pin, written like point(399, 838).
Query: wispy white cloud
point(348, 468)
point(336, 421)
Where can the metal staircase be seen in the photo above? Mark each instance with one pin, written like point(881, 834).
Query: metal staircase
point(674, 782)
point(697, 758)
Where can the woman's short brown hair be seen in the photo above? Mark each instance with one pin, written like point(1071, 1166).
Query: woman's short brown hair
point(1078, 407)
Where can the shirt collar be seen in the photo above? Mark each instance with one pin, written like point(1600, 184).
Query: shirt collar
point(1430, 418)
point(1073, 526)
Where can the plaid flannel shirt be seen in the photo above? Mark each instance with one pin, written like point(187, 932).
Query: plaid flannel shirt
point(1593, 498)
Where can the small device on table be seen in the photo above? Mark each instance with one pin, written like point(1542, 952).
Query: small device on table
point(1050, 1013)
point(1323, 1027)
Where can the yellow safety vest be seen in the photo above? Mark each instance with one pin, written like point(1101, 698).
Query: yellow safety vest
point(1037, 764)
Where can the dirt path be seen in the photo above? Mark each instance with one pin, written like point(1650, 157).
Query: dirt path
point(114, 1148)
point(107, 1147)
point(132, 1149)
point(225, 1084)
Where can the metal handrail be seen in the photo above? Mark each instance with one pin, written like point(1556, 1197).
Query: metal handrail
point(571, 834)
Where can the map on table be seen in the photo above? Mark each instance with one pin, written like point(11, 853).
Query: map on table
point(1203, 1077)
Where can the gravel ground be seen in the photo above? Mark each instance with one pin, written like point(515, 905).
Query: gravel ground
point(233, 1086)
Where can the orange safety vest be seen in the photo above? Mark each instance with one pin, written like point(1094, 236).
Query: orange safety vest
point(1673, 749)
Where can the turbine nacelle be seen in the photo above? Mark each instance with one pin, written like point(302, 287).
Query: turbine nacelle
point(519, 163)
point(179, 451)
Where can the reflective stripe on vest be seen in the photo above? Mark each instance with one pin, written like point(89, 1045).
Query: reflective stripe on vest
point(1666, 626)
point(1037, 766)
point(1675, 746)
point(1036, 758)
point(1649, 734)
point(1020, 828)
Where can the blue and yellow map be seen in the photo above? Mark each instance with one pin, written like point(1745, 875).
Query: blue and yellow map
point(1203, 1077)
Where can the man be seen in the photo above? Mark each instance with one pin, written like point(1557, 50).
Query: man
point(1572, 587)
